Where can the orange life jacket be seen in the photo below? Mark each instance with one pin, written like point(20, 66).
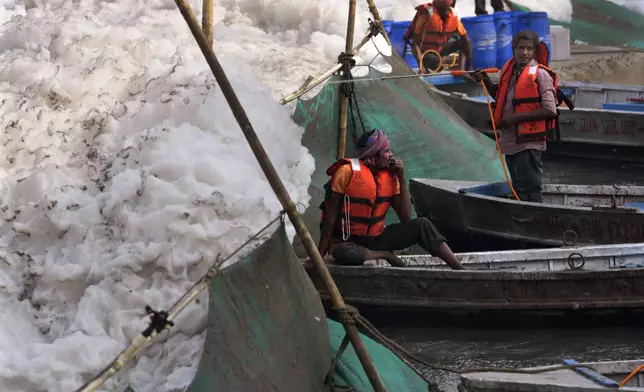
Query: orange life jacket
point(527, 97)
point(366, 200)
point(435, 32)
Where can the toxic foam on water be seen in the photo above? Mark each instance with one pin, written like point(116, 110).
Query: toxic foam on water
point(123, 176)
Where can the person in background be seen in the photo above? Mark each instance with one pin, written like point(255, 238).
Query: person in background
point(526, 111)
point(357, 199)
point(479, 6)
point(436, 27)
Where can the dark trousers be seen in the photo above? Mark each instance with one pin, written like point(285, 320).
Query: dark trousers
point(480, 6)
point(526, 169)
point(398, 236)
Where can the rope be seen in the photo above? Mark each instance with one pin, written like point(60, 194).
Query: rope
point(161, 320)
point(633, 373)
point(349, 314)
point(348, 89)
point(498, 146)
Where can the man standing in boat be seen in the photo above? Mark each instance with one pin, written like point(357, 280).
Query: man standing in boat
point(436, 27)
point(357, 199)
point(525, 113)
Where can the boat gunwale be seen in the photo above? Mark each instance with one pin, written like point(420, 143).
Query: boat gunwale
point(603, 191)
point(605, 368)
point(506, 274)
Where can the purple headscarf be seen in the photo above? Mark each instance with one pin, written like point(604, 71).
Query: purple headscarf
point(376, 142)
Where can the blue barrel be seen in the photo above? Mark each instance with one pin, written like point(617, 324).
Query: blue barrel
point(397, 30)
point(387, 26)
point(482, 34)
point(396, 36)
point(504, 23)
point(537, 22)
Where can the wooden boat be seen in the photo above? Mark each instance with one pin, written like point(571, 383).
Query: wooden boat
point(537, 283)
point(601, 126)
point(587, 95)
point(599, 376)
point(477, 214)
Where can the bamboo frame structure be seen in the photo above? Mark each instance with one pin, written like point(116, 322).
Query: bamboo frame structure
point(311, 83)
point(280, 191)
point(207, 20)
point(344, 98)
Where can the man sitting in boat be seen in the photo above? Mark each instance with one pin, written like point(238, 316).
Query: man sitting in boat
point(358, 196)
point(436, 29)
point(525, 112)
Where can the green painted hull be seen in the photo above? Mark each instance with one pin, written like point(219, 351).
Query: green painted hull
point(424, 131)
point(267, 331)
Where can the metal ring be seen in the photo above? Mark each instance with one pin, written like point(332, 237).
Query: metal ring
point(571, 264)
point(569, 243)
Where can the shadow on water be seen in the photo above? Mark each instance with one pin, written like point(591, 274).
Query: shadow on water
point(463, 348)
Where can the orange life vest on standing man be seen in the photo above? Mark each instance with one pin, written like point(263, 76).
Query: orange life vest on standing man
point(366, 200)
point(526, 97)
point(435, 33)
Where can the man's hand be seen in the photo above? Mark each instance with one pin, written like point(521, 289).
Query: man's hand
point(396, 165)
point(479, 75)
point(509, 121)
point(323, 248)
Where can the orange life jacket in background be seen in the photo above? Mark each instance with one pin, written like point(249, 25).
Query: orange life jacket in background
point(435, 32)
point(527, 97)
point(366, 200)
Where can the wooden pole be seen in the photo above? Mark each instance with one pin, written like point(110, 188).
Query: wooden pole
point(376, 15)
point(344, 98)
point(207, 18)
point(280, 191)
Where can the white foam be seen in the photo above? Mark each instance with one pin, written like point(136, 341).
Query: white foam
point(635, 5)
point(124, 175)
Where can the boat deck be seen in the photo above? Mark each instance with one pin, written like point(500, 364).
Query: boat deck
point(610, 373)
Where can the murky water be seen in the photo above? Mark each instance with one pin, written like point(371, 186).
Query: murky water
point(469, 348)
point(564, 170)
point(474, 348)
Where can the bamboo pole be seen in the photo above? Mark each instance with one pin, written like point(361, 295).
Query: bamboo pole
point(280, 191)
point(376, 15)
point(207, 17)
point(344, 98)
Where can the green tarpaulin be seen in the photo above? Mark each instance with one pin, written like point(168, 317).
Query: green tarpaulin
point(601, 22)
point(395, 374)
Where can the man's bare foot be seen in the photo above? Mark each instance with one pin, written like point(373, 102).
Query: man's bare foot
point(391, 258)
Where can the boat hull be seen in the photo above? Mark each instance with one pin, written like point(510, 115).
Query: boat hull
point(569, 213)
point(598, 376)
point(506, 288)
point(583, 132)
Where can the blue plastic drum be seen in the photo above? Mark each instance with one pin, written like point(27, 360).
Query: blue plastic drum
point(504, 23)
point(482, 34)
point(537, 22)
point(396, 36)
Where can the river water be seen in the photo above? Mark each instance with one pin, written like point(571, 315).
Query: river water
point(469, 347)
